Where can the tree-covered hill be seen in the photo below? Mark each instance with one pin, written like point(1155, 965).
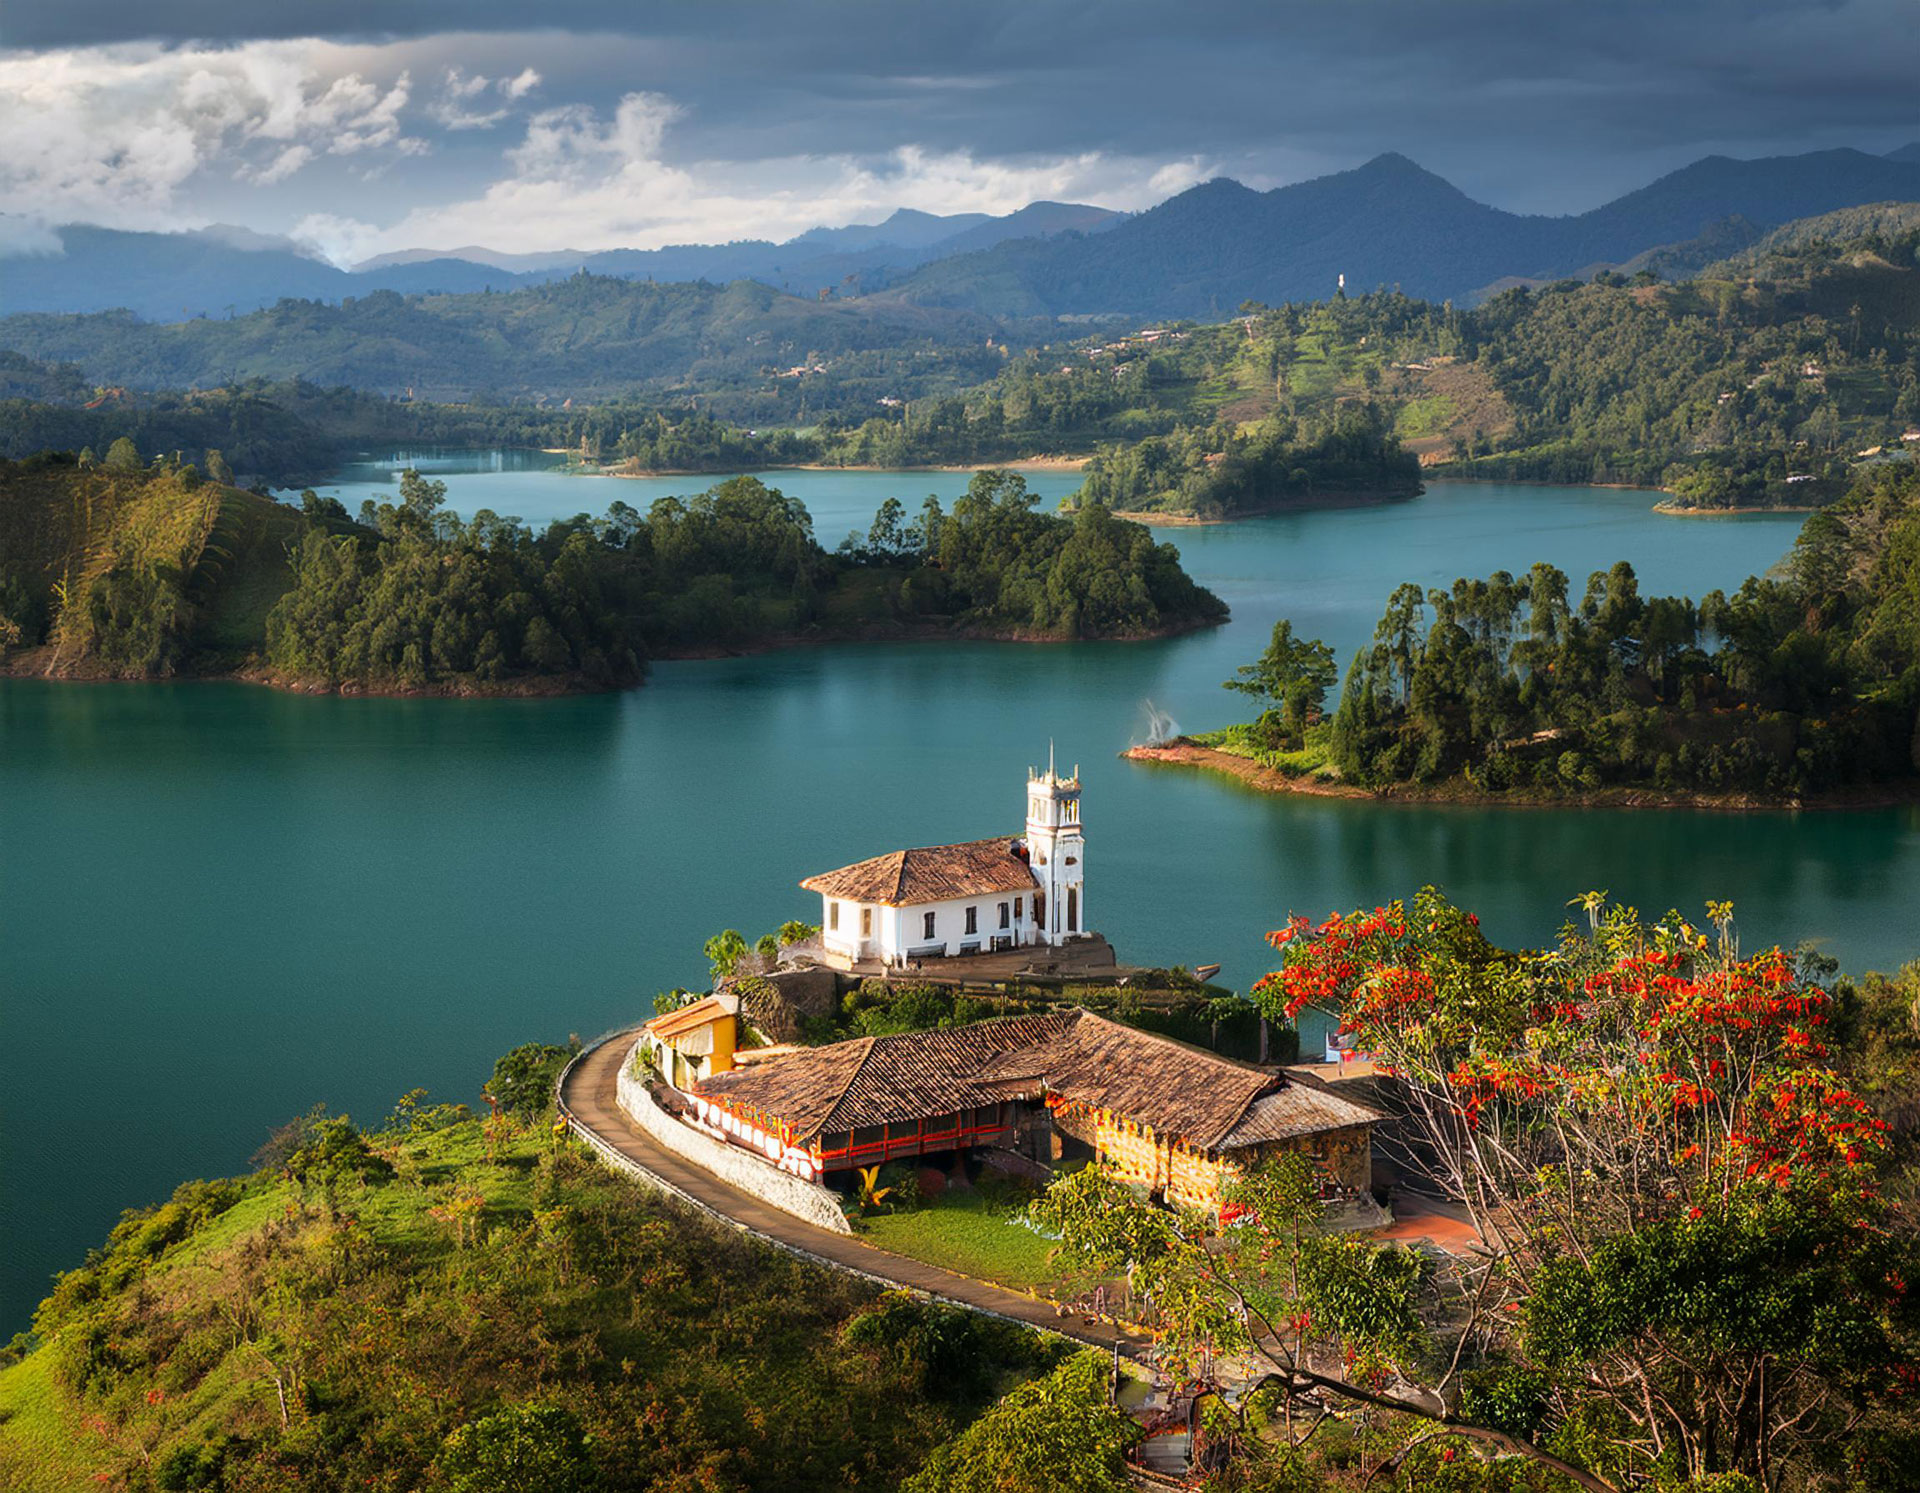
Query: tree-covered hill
point(1778, 363)
point(1800, 684)
point(1769, 366)
point(585, 336)
point(115, 568)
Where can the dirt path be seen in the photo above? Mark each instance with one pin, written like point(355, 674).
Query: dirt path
point(587, 1099)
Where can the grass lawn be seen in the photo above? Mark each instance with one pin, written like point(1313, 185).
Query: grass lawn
point(970, 1236)
point(1237, 741)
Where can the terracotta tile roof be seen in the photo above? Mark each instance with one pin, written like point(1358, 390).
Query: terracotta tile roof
point(932, 873)
point(1182, 1092)
point(911, 1074)
point(1295, 1110)
point(871, 1080)
point(688, 1018)
point(800, 1090)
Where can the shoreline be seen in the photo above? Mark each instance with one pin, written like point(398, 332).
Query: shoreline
point(1326, 504)
point(1670, 509)
point(1024, 464)
point(30, 663)
point(1182, 752)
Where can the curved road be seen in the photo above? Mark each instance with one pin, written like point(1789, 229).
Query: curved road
point(587, 1101)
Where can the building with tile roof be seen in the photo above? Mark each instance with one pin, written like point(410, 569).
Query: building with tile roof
point(943, 901)
point(1175, 1120)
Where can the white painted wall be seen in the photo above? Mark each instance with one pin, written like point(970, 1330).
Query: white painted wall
point(899, 932)
point(1058, 848)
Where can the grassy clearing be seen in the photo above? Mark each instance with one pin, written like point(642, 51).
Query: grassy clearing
point(1313, 758)
point(42, 1445)
point(967, 1234)
point(1429, 415)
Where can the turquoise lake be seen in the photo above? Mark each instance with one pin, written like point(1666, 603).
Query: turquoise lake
point(225, 904)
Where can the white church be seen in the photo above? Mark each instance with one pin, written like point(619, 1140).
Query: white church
point(982, 896)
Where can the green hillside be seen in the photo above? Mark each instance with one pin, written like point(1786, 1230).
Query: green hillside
point(583, 337)
point(382, 1308)
point(137, 574)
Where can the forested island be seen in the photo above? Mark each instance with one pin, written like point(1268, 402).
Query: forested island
point(1218, 473)
point(120, 568)
point(1801, 686)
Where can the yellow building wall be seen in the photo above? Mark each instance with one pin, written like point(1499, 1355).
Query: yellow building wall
point(1132, 1153)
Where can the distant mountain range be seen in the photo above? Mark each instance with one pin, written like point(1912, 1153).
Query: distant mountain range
point(221, 271)
point(1199, 255)
point(1389, 222)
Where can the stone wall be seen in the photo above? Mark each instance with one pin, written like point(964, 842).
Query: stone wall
point(739, 1168)
point(778, 1003)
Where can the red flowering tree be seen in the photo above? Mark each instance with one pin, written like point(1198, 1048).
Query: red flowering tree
point(1688, 1265)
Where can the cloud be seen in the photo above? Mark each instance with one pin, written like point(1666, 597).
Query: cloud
point(646, 125)
point(21, 238)
point(464, 102)
point(592, 179)
point(115, 135)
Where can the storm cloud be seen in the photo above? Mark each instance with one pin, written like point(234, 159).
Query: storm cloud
point(716, 119)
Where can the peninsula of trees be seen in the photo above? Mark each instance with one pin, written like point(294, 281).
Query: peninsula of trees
point(1798, 685)
point(115, 568)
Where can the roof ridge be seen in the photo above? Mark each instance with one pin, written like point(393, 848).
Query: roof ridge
point(852, 1073)
point(1241, 1113)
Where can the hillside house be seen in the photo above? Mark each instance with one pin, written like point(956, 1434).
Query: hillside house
point(1175, 1121)
point(697, 1041)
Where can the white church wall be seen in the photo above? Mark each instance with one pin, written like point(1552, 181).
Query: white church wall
point(950, 925)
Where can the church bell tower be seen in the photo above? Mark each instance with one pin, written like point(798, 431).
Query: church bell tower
point(1057, 851)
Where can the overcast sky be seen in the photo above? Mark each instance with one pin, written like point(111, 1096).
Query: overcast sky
point(620, 123)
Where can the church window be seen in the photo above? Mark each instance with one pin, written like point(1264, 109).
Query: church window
point(1073, 909)
point(926, 926)
point(833, 916)
point(1006, 916)
point(866, 922)
point(973, 920)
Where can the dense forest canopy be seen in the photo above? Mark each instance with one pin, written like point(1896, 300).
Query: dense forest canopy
point(1282, 462)
point(1805, 681)
point(121, 568)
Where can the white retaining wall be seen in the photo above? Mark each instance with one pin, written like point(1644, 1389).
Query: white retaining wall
point(815, 1204)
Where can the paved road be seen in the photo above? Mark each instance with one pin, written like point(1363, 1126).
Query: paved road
point(588, 1094)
